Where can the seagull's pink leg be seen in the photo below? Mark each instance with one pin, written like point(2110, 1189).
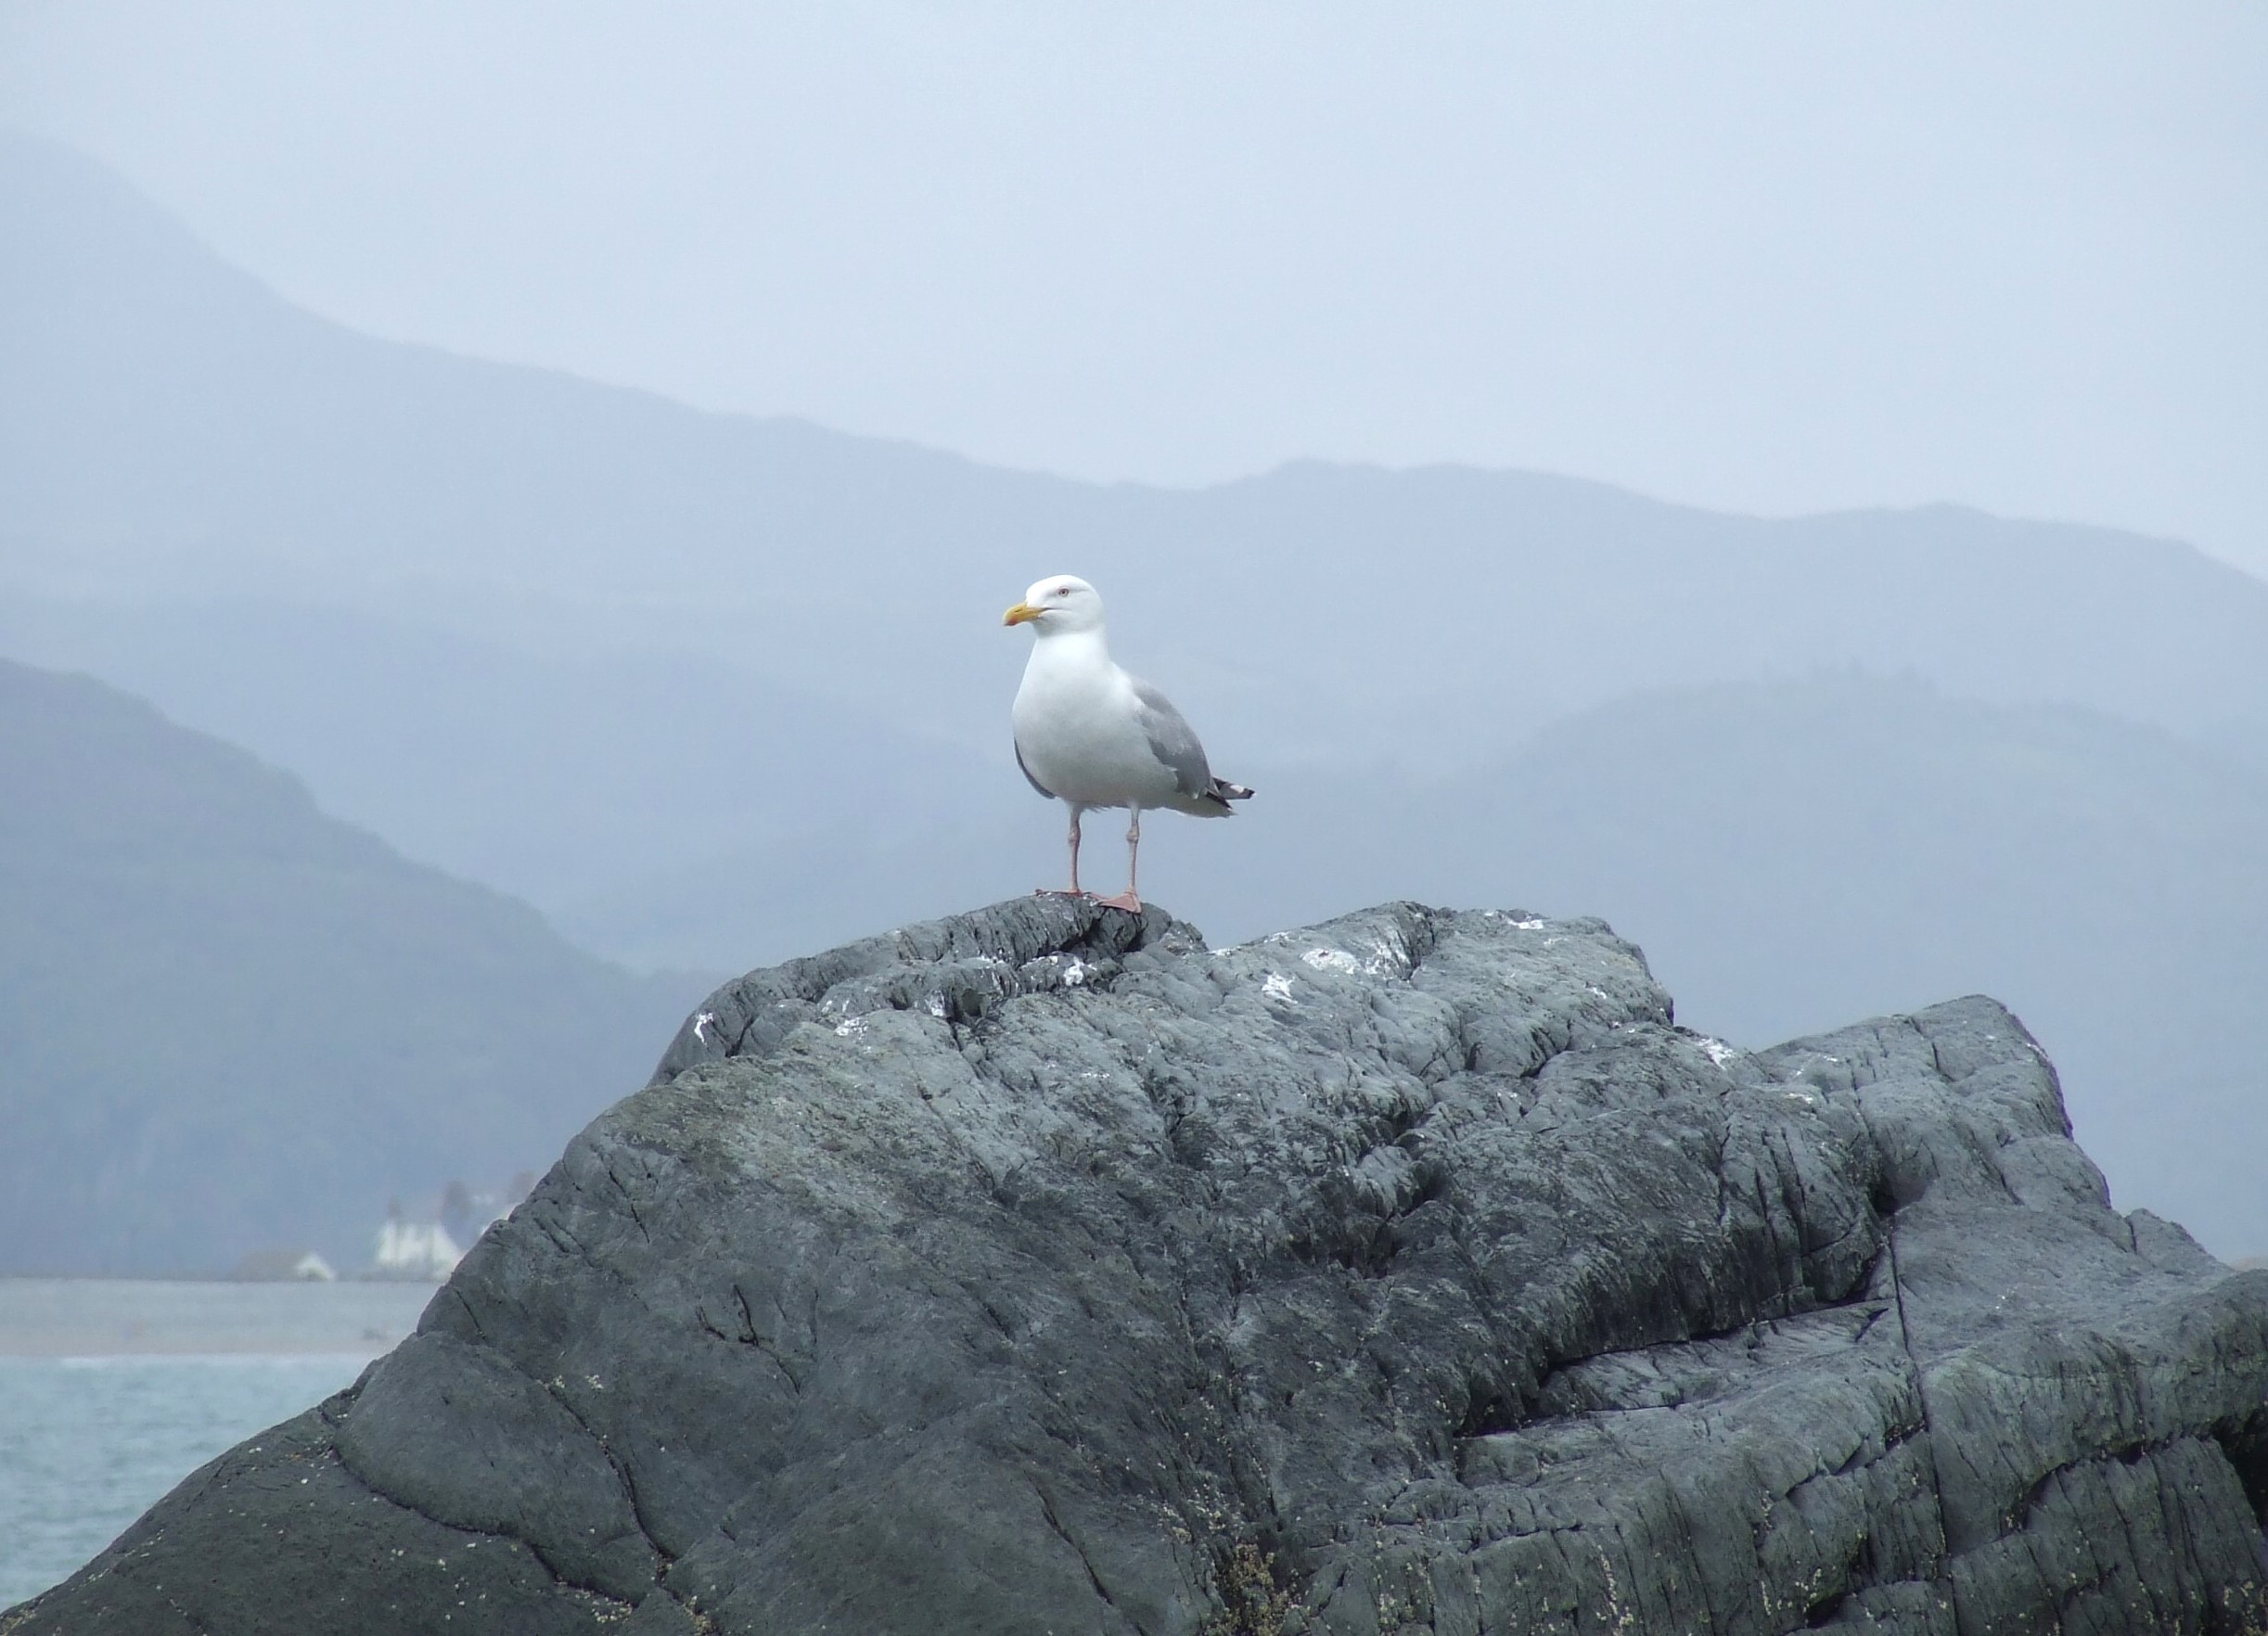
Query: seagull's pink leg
point(1129, 900)
point(1074, 892)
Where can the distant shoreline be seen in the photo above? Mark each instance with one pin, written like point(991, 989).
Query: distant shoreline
point(157, 1317)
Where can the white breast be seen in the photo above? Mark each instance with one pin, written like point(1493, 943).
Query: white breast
point(1079, 729)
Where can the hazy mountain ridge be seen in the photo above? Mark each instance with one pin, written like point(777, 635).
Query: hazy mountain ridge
point(537, 772)
point(520, 526)
point(714, 690)
point(173, 420)
point(228, 1022)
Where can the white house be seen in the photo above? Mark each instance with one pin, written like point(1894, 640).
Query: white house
point(414, 1249)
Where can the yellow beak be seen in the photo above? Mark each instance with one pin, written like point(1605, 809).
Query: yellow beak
point(1019, 613)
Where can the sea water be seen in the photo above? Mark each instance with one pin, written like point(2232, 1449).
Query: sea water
point(88, 1444)
point(112, 1391)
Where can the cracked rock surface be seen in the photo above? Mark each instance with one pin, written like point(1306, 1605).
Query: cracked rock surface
point(1040, 1271)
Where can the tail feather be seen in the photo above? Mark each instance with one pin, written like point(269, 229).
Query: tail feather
point(1221, 791)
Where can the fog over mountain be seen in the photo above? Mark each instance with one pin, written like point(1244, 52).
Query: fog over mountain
point(1759, 256)
point(710, 691)
point(229, 1023)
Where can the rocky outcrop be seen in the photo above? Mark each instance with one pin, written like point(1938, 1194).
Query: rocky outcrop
point(1042, 1271)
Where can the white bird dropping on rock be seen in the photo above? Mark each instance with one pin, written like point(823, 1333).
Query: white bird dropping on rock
point(1088, 735)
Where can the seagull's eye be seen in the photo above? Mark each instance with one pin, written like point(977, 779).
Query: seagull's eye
point(1063, 590)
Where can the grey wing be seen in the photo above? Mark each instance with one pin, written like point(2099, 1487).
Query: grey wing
point(1034, 782)
point(1173, 741)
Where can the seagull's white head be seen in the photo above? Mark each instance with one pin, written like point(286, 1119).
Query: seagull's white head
point(1063, 602)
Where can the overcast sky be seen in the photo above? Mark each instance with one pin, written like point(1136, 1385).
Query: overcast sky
point(1774, 257)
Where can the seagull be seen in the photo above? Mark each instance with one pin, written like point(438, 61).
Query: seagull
point(1088, 735)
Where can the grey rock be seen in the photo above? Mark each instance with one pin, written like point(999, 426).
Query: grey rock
point(456, 1433)
point(1042, 1271)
